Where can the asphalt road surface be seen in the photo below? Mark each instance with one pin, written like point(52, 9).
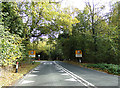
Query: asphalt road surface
point(55, 73)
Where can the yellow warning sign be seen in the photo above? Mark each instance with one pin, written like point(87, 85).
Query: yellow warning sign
point(32, 53)
point(78, 53)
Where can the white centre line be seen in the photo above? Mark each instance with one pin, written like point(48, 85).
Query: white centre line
point(76, 77)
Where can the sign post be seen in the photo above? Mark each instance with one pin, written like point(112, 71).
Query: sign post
point(32, 54)
point(38, 57)
point(78, 53)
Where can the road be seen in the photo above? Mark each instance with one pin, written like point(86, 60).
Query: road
point(55, 73)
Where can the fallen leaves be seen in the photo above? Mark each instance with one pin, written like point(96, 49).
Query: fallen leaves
point(8, 78)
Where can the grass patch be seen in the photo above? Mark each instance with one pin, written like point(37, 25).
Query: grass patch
point(8, 78)
point(25, 68)
point(108, 68)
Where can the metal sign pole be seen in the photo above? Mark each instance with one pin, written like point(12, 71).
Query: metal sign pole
point(78, 54)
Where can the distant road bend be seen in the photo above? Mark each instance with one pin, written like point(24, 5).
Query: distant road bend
point(56, 73)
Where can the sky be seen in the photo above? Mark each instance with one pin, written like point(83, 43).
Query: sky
point(81, 3)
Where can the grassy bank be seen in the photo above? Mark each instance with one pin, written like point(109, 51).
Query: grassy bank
point(108, 68)
point(8, 78)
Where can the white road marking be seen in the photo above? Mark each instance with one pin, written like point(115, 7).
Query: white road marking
point(30, 75)
point(58, 68)
point(64, 74)
point(36, 69)
point(71, 79)
point(76, 77)
point(44, 63)
point(27, 75)
point(50, 63)
point(26, 81)
point(61, 71)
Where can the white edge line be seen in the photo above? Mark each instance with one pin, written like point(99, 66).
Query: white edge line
point(26, 75)
point(73, 75)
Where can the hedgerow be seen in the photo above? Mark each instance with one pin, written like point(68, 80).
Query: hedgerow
point(110, 68)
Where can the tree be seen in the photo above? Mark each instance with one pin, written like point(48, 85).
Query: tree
point(45, 17)
point(94, 35)
point(114, 22)
point(11, 47)
point(11, 18)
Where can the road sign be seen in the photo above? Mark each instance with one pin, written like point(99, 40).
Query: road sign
point(38, 55)
point(78, 53)
point(32, 53)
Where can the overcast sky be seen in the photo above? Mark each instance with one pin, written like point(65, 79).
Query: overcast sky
point(81, 3)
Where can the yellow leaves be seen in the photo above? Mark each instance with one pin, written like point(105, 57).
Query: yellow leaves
point(8, 29)
point(7, 55)
point(57, 13)
point(19, 41)
point(70, 30)
point(25, 30)
point(75, 21)
point(13, 38)
point(13, 58)
point(61, 18)
point(95, 17)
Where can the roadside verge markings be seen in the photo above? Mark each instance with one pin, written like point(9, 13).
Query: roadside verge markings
point(30, 75)
point(34, 71)
point(26, 81)
point(76, 77)
point(27, 75)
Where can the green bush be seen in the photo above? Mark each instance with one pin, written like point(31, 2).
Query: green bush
point(111, 68)
point(11, 47)
point(118, 70)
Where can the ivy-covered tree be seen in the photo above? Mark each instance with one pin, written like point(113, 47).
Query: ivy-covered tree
point(11, 47)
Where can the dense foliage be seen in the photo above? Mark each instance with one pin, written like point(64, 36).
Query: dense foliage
point(11, 47)
point(22, 21)
point(97, 36)
point(110, 68)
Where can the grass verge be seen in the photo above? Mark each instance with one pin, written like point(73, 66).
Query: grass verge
point(9, 78)
point(107, 68)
